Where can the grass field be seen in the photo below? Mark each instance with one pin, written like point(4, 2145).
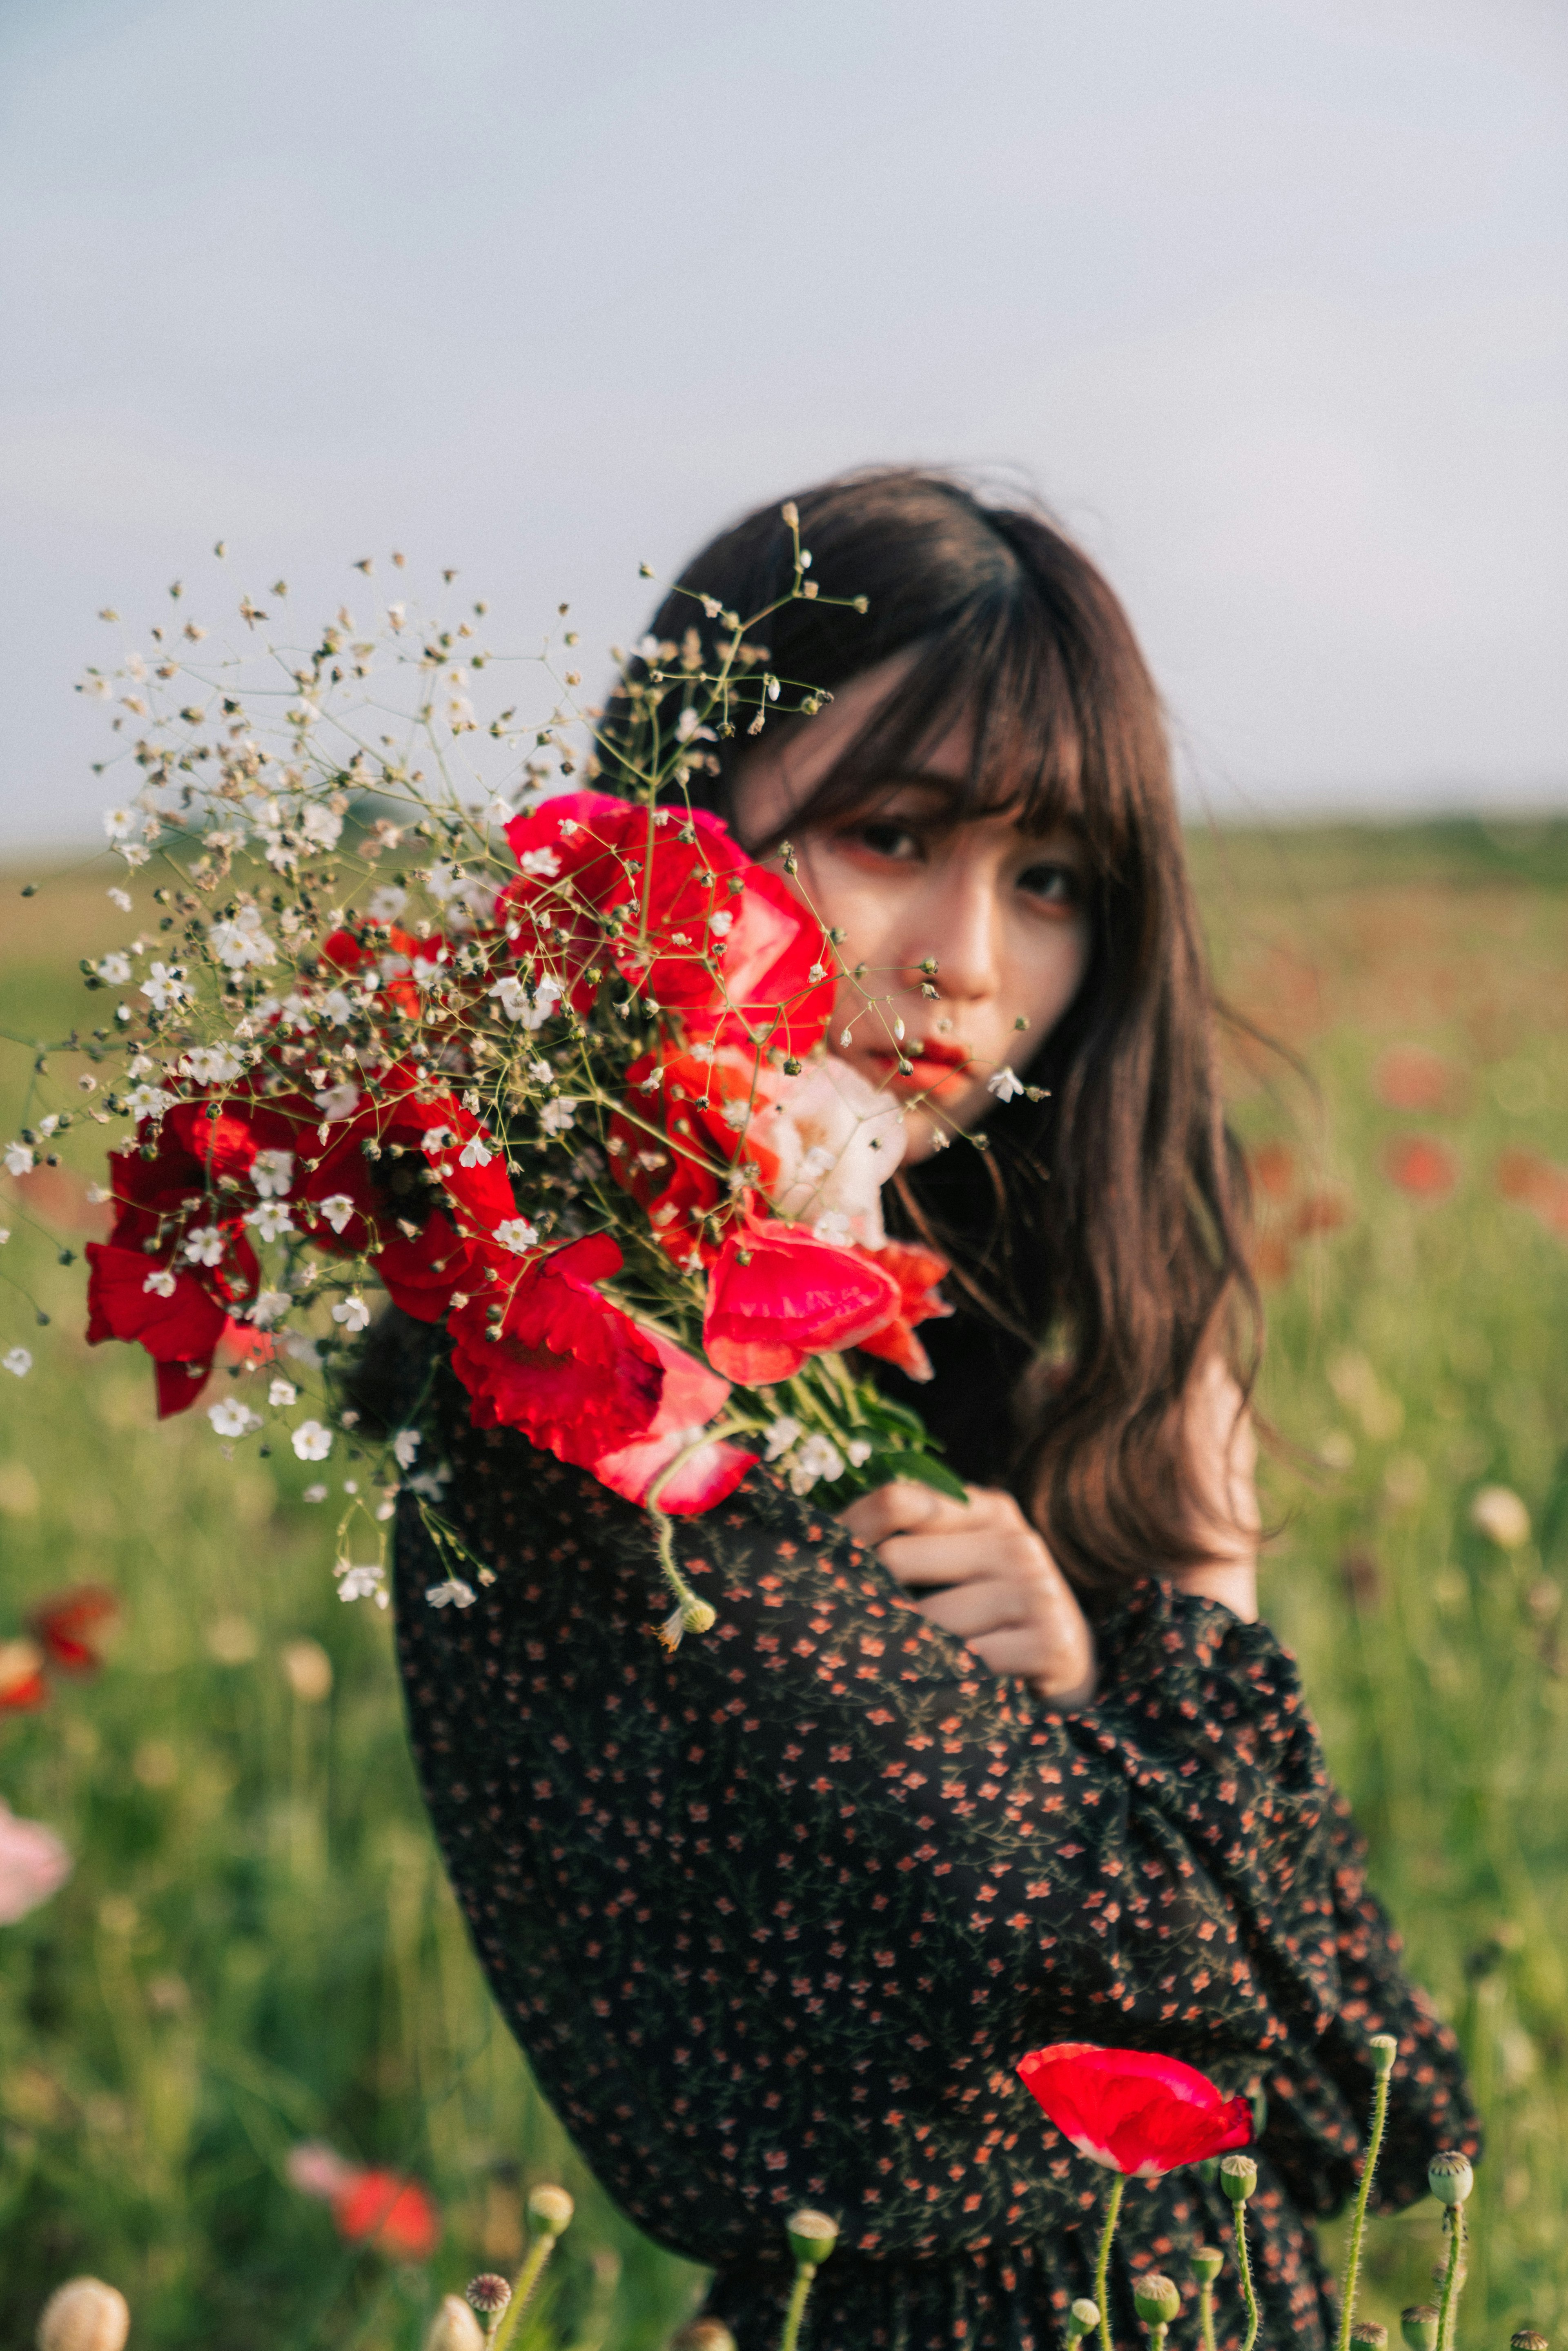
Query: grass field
point(257, 1946)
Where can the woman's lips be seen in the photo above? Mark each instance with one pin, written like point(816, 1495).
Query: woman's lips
point(935, 1066)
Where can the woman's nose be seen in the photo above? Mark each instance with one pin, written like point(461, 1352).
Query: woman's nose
point(962, 929)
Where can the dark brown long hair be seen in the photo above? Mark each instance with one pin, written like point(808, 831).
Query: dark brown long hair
point(1099, 1242)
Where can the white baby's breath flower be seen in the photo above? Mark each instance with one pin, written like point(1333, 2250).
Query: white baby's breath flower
point(205, 1244)
point(118, 897)
point(1004, 1085)
point(267, 1308)
point(314, 1494)
point(475, 1153)
point(453, 1593)
point(515, 1233)
point(122, 823)
point(18, 1158)
point(337, 1006)
point(148, 1102)
point(364, 1582)
point(242, 941)
point(18, 1363)
point(405, 1444)
point(781, 1436)
point(388, 903)
point(340, 1101)
point(858, 1451)
point(541, 864)
point(558, 1116)
point(353, 1314)
point(311, 1442)
point(164, 986)
point(320, 825)
point(270, 1220)
point(281, 1394)
point(272, 1173)
point(232, 1418)
point(816, 1457)
point(212, 1065)
point(336, 1208)
point(114, 969)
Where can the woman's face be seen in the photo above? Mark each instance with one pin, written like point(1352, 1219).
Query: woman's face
point(1001, 910)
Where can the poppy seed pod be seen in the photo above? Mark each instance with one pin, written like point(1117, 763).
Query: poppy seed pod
point(1237, 2176)
point(550, 2209)
point(1369, 2334)
point(1156, 2299)
point(812, 2236)
point(455, 2328)
point(84, 2315)
point(703, 2334)
point(1384, 2049)
point(1082, 2319)
point(489, 2293)
point(1418, 2325)
point(1450, 2179)
point(1525, 2339)
point(1208, 2261)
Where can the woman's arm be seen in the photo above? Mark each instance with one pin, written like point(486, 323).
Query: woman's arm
point(1222, 1459)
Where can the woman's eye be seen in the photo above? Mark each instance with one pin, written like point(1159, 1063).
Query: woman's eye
point(884, 838)
point(1052, 885)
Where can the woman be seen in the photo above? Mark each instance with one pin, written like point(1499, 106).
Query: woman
point(775, 1917)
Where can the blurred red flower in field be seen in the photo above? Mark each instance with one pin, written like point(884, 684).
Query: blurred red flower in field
point(1321, 1212)
point(390, 2212)
point(1535, 1183)
point(1271, 1258)
point(1426, 1169)
point(66, 1623)
point(22, 1683)
point(1407, 1077)
point(1273, 1170)
point(1132, 2111)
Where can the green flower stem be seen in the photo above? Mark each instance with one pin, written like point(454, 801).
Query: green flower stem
point(804, 2272)
point(1243, 2262)
point(1103, 2259)
point(528, 2277)
point(692, 1615)
point(1206, 2316)
point(1358, 2223)
point(1448, 2308)
point(1158, 2336)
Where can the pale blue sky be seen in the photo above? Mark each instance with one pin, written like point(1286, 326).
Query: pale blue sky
point(1268, 297)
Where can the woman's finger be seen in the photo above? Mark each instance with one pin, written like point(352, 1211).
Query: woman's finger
point(918, 1561)
point(898, 1507)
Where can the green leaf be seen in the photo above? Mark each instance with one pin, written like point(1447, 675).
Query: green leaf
point(923, 1467)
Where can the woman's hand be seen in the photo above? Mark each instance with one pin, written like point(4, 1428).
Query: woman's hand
point(987, 1577)
point(1222, 1455)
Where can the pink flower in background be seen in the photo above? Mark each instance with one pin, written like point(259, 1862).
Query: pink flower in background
point(1427, 1170)
point(34, 1864)
point(1407, 1077)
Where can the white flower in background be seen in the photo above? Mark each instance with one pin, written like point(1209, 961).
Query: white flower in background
point(816, 1457)
point(160, 1284)
point(781, 1436)
point(340, 1101)
point(314, 1494)
point(114, 969)
point(205, 1244)
point(1004, 1085)
point(516, 1004)
point(337, 1006)
point(322, 827)
point(336, 1208)
point(558, 1116)
point(268, 1307)
point(388, 903)
point(365, 1582)
point(435, 1140)
point(18, 1363)
point(120, 898)
point(836, 1141)
point(293, 1014)
point(272, 1173)
point(405, 1444)
point(34, 1864)
point(300, 1348)
point(429, 1482)
point(212, 1065)
point(859, 1451)
point(281, 1394)
point(122, 823)
point(353, 1314)
point(270, 1220)
point(516, 1234)
point(243, 941)
point(165, 984)
point(1496, 1512)
point(232, 1418)
point(18, 1158)
point(475, 1153)
point(148, 1102)
point(541, 864)
point(311, 1442)
point(453, 1593)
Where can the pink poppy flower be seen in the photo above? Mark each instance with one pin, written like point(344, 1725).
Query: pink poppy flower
point(776, 1295)
point(34, 1864)
point(1132, 2111)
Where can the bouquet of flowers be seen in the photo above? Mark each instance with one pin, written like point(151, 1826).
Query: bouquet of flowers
point(543, 1065)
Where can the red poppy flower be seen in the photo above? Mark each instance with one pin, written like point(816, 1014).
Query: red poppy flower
point(674, 1146)
point(776, 1295)
point(1132, 2111)
point(180, 1329)
point(65, 1626)
point(1426, 1169)
point(566, 1366)
point(691, 1396)
point(1407, 1077)
point(22, 1683)
point(390, 2212)
point(1273, 1170)
point(916, 1271)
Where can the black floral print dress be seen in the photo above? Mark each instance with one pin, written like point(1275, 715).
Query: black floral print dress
point(775, 1916)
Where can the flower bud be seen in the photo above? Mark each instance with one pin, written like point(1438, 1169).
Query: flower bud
point(1156, 2299)
point(455, 2328)
point(1369, 2334)
point(812, 2236)
point(489, 2293)
point(1418, 2325)
point(84, 2315)
point(550, 2209)
point(1082, 2319)
point(1237, 2176)
point(703, 2334)
point(1525, 2339)
point(1384, 2049)
point(1450, 2179)
point(1208, 2261)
